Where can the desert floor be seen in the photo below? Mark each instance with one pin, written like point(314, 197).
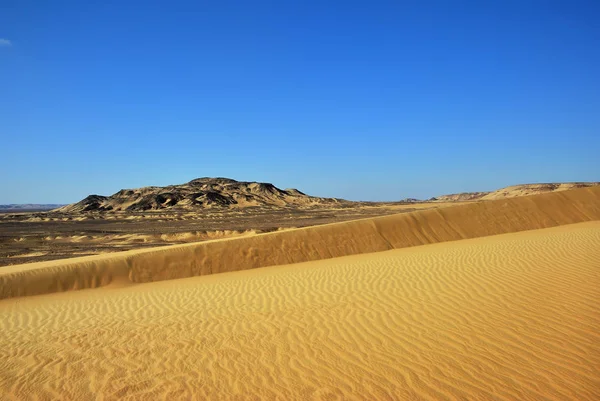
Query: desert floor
point(505, 317)
point(40, 236)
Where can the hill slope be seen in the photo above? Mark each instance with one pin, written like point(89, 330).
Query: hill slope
point(199, 193)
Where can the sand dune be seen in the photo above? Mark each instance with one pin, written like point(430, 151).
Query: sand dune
point(300, 245)
point(514, 191)
point(129, 238)
point(534, 189)
point(508, 317)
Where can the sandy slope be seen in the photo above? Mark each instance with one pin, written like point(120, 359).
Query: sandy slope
point(534, 189)
point(301, 245)
point(514, 191)
point(514, 316)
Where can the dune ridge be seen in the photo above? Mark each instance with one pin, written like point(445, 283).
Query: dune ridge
point(514, 191)
point(306, 244)
point(506, 317)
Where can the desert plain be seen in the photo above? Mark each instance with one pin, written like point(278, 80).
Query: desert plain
point(458, 298)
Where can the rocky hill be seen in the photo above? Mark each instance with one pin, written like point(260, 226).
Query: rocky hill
point(199, 193)
point(513, 191)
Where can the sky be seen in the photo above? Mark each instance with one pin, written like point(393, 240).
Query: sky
point(363, 100)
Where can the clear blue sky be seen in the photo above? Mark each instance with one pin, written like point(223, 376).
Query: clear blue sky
point(367, 100)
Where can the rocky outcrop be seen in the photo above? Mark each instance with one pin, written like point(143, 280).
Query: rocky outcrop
point(199, 193)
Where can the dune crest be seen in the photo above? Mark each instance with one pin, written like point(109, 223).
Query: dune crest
point(306, 244)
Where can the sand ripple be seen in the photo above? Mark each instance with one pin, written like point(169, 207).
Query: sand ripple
point(508, 317)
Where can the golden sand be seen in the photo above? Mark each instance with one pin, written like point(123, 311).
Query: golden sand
point(307, 244)
point(506, 317)
point(480, 301)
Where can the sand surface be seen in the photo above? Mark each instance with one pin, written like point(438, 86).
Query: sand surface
point(505, 317)
point(54, 235)
point(306, 244)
